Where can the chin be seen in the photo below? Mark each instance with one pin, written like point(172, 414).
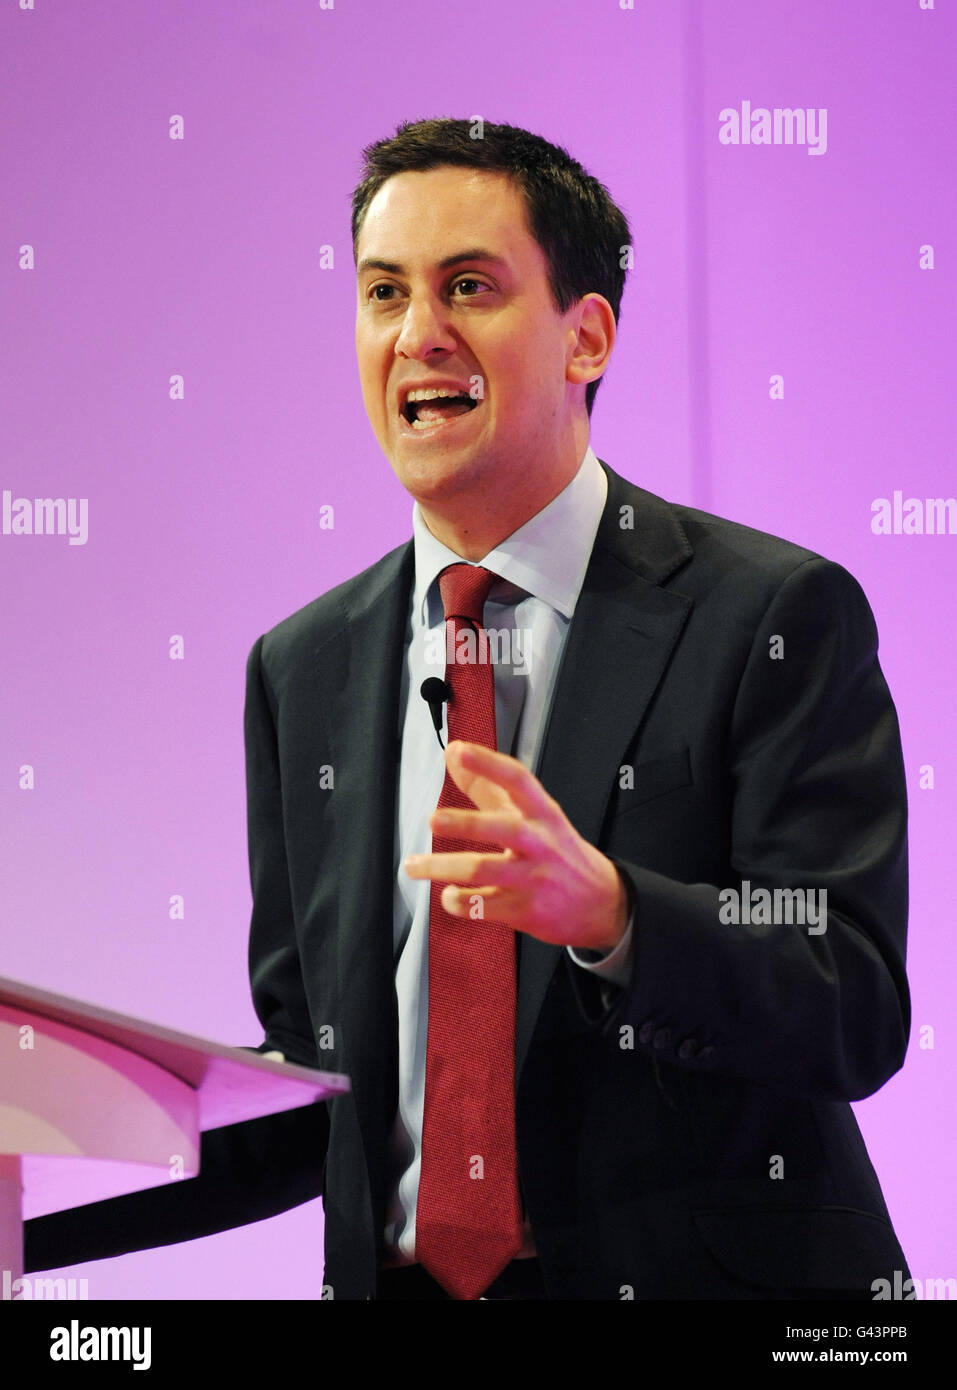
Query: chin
point(429, 485)
point(438, 478)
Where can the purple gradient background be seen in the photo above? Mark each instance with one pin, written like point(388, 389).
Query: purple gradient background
point(201, 257)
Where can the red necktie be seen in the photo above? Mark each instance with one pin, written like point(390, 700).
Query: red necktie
point(468, 1222)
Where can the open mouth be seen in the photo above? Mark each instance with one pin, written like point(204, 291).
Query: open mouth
point(429, 414)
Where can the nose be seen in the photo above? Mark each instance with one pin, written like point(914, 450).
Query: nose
point(425, 329)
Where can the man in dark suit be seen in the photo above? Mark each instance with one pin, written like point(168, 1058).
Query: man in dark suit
point(698, 848)
point(719, 722)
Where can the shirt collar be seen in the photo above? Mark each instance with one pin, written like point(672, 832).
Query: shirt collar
point(546, 557)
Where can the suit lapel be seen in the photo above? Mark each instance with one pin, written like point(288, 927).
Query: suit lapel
point(621, 637)
point(359, 668)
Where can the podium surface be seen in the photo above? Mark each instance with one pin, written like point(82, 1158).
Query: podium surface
point(96, 1104)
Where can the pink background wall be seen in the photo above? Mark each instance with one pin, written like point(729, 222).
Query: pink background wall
point(200, 257)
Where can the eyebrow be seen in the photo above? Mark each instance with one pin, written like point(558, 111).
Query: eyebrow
point(475, 253)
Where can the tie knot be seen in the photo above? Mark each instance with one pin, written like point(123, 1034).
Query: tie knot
point(464, 589)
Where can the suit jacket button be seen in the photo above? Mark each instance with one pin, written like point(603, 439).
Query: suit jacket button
point(687, 1049)
point(662, 1039)
point(645, 1033)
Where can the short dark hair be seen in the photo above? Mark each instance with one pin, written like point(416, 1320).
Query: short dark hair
point(581, 231)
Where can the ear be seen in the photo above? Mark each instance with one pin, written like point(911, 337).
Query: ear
point(592, 339)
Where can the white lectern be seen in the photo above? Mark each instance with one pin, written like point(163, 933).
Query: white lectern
point(94, 1104)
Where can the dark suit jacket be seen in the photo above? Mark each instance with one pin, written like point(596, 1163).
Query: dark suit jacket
point(693, 1138)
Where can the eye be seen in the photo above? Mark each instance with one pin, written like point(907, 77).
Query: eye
point(381, 299)
point(469, 280)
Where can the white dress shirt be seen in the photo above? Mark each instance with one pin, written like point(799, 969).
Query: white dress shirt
point(541, 567)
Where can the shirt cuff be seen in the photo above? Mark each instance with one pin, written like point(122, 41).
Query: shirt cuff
point(611, 967)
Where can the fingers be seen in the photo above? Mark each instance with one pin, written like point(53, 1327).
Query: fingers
point(547, 881)
point(505, 828)
point(466, 869)
point(484, 775)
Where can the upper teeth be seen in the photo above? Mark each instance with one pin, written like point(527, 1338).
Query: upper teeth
point(429, 393)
